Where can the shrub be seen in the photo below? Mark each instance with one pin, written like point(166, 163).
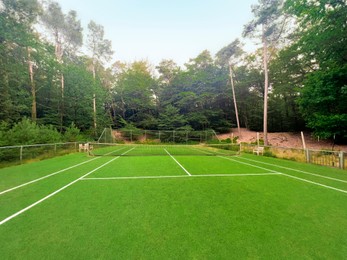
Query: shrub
point(72, 134)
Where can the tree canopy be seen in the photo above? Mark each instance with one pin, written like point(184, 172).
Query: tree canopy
point(300, 71)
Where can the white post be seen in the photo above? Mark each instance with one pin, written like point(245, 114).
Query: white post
point(307, 153)
point(21, 154)
point(303, 140)
point(342, 161)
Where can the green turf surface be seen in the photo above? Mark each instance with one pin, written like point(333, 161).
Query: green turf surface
point(174, 215)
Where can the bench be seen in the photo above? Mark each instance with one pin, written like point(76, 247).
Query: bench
point(258, 150)
point(85, 147)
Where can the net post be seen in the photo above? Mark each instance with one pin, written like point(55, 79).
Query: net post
point(55, 148)
point(173, 135)
point(131, 135)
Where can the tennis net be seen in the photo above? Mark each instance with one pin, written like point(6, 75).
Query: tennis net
point(105, 149)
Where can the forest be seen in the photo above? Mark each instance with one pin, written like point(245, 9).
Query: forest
point(296, 80)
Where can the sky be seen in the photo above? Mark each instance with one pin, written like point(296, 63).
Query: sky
point(164, 29)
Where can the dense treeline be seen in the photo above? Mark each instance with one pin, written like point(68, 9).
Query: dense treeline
point(300, 71)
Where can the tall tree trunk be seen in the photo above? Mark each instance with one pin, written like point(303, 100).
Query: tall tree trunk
point(234, 98)
point(59, 56)
point(33, 87)
point(94, 102)
point(62, 108)
point(266, 84)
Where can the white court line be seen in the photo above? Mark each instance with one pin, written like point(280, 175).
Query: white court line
point(281, 173)
point(227, 158)
point(52, 174)
point(292, 169)
point(179, 176)
point(178, 163)
point(57, 191)
point(316, 183)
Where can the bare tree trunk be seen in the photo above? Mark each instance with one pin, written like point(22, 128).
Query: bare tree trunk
point(59, 56)
point(33, 87)
point(94, 102)
point(62, 108)
point(266, 85)
point(234, 98)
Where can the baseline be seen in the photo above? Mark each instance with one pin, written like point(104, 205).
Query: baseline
point(57, 191)
point(51, 174)
point(178, 176)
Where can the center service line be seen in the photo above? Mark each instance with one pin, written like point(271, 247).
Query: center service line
point(178, 163)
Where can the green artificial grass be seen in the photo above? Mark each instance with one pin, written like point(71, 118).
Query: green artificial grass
point(174, 215)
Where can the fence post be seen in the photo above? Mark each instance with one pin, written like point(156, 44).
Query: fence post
point(173, 135)
point(131, 135)
point(342, 161)
point(21, 154)
point(55, 148)
point(159, 136)
point(307, 153)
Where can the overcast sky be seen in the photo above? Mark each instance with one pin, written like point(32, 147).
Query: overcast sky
point(164, 29)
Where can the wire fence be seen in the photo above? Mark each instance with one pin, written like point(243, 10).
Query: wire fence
point(159, 136)
point(337, 159)
point(24, 153)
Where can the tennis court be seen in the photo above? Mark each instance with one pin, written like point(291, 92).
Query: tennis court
point(155, 202)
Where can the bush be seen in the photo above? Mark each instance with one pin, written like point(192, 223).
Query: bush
point(72, 134)
point(28, 132)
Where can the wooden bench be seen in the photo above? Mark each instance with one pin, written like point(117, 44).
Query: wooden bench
point(258, 150)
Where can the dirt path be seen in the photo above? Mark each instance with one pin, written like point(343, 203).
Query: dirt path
point(285, 139)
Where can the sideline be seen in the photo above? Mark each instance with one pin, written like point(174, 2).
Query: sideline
point(287, 175)
point(59, 190)
point(52, 174)
point(295, 170)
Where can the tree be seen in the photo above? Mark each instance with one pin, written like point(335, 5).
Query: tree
point(267, 16)
point(171, 119)
point(134, 91)
point(16, 42)
point(67, 37)
point(228, 55)
point(321, 46)
point(101, 51)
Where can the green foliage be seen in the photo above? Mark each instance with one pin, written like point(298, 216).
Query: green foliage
point(323, 102)
point(171, 119)
point(307, 76)
point(72, 134)
point(27, 132)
